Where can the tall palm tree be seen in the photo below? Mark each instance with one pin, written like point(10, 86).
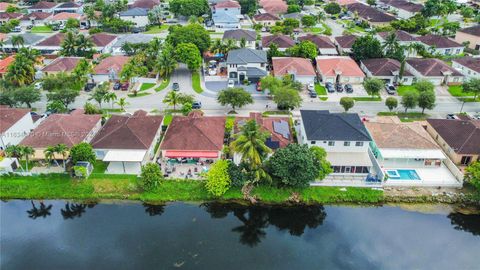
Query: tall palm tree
point(84, 46)
point(69, 47)
point(62, 149)
point(49, 153)
point(17, 41)
point(15, 151)
point(172, 99)
point(122, 103)
point(27, 152)
point(390, 45)
point(165, 64)
point(110, 97)
point(230, 44)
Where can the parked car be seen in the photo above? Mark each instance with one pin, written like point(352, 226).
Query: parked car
point(312, 94)
point(89, 87)
point(17, 29)
point(390, 88)
point(311, 86)
point(339, 87)
point(348, 88)
point(452, 116)
point(231, 83)
point(125, 86)
point(29, 27)
point(197, 105)
point(117, 86)
point(330, 87)
point(212, 72)
point(259, 86)
point(175, 87)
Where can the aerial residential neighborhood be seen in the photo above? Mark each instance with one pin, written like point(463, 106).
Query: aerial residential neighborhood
point(256, 111)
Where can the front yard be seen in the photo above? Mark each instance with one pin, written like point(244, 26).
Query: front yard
point(41, 29)
point(196, 82)
point(402, 89)
point(457, 91)
point(157, 29)
point(406, 117)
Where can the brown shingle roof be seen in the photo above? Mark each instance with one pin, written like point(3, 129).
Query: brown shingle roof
point(474, 30)
point(128, 132)
point(10, 116)
point(266, 17)
point(38, 15)
point(115, 62)
point(432, 67)
point(384, 67)
point(469, 62)
point(281, 40)
point(54, 41)
point(320, 41)
point(439, 41)
point(400, 34)
point(102, 39)
point(69, 129)
point(63, 16)
point(405, 5)
point(43, 5)
point(292, 65)
point(369, 13)
point(199, 133)
point(346, 42)
point(463, 136)
point(10, 16)
point(62, 64)
point(393, 135)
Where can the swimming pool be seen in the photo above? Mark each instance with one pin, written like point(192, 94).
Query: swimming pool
point(402, 175)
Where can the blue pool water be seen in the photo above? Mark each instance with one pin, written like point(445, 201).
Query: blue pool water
point(402, 175)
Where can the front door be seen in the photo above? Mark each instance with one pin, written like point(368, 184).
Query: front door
point(466, 160)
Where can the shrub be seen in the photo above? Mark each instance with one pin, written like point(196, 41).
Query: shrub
point(217, 179)
point(332, 8)
point(391, 103)
point(151, 176)
point(82, 152)
point(472, 174)
point(237, 173)
point(347, 103)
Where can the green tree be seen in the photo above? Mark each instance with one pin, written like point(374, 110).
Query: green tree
point(409, 100)
point(56, 106)
point(373, 86)
point(27, 95)
point(294, 8)
point(472, 174)
point(426, 100)
point(82, 152)
point(309, 20)
point(192, 33)
point(391, 103)
point(290, 22)
point(188, 8)
point(372, 2)
point(424, 86)
point(77, 45)
point(89, 108)
point(27, 151)
point(293, 166)
point(439, 8)
point(110, 97)
point(22, 70)
point(62, 150)
point(323, 164)
point(122, 103)
point(287, 98)
point(100, 93)
point(65, 96)
point(217, 178)
point(165, 63)
point(248, 6)
point(49, 154)
point(472, 86)
point(72, 24)
point(151, 176)
point(236, 97)
point(271, 83)
point(173, 98)
point(273, 51)
point(17, 41)
point(305, 49)
point(467, 12)
point(391, 46)
point(347, 103)
point(366, 47)
point(187, 107)
point(332, 8)
point(189, 54)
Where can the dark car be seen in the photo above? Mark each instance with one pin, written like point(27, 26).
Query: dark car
point(175, 86)
point(348, 88)
point(330, 87)
point(89, 87)
point(339, 87)
point(125, 86)
point(117, 86)
point(259, 86)
point(390, 88)
point(197, 105)
point(312, 94)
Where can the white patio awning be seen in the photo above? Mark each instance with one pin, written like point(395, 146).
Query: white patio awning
point(125, 155)
point(349, 159)
point(412, 153)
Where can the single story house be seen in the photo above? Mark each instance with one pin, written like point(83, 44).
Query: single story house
point(441, 45)
point(71, 7)
point(109, 68)
point(69, 129)
point(246, 64)
point(139, 16)
point(61, 64)
point(266, 19)
point(5, 17)
point(127, 142)
point(5, 5)
point(63, 17)
point(324, 44)
point(369, 14)
point(433, 70)
point(344, 43)
point(194, 137)
point(404, 9)
point(130, 38)
point(408, 156)
point(5, 63)
point(459, 138)
point(339, 69)
point(300, 69)
point(29, 41)
point(283, 42)
point(42, 6)
point(468, 66)
point(145, 4)
point(103, 42)
point(470, 35)
point(249, 36)
point(36, 18)
point(342, 135)
point(15, 125)
point(386, 69)
point(403, 38)
point(51, 44)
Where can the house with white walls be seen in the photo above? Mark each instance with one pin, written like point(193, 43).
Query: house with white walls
point(15, 125)
point(247, 64)
point(139, 16)
point(434, 70)
point(468, 66)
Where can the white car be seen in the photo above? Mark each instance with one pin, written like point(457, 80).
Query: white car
point(37, 86)
point(212, 72)
point(311, 87)
point(231, 84)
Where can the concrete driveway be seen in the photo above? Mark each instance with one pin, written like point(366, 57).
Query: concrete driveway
point(218, 86)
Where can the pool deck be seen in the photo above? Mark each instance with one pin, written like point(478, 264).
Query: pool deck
point(430, 177)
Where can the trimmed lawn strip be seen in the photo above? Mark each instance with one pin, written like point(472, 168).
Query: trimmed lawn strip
point(157, 29)
point(41, 29)
point(367, 98)
point(138, 95)
point(401, 90)
point(267, 113)
point(167, 119)
point(456, 91)
point(146, 86)
point(320, 89)
point(102, 186)
point(163, 85)
point(406, 117)
point(196, 82)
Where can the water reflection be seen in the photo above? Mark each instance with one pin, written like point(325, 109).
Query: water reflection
point(255, 219)
point(75, 210)
point(468, 223)
point(154, 209)
point(41, 211)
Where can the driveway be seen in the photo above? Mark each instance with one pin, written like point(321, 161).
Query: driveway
point(218, 86)
point(358, 91)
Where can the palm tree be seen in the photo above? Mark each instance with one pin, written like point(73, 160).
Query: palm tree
point(69, 47)
point(172, 99)
point(165, 64)
point(27, 152)
point(17, 41)
point(122, 103)
point(230, 44)
point(243, 42)
point(390, 45)
point(84, 45)
point(49, 153)
point(15, 151)
point(2, 43)
point(110, 97)
point(62, 149)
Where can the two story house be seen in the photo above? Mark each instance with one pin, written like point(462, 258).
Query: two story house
point(226, 14)
point(247, 64)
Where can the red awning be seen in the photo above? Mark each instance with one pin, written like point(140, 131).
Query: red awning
point(191, 154)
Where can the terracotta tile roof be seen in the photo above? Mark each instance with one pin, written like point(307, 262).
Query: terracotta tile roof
point(128, 132)
point(62, 64)
point(3, 36)
point(102, 39)
point(400, 34)
point(43, 5)
point(392, 135)
point(10, 16)
point(432, 67)
point(292, 65)
point(384, 67)
point(227, 4)
point(281, 40)
point(63, 16)
point(53, 41)
point(4, 6)
point(10, 116)
point(345, 2)
point(69, 5)
point(439, 41)
point(322, 42)
point(474, 30)
point(37, 15)
point(115, 62)
point(266, 17)
point(463, 136)
point(4, 63)
point(147, 4)
point(199, 133)
point(274, 6)
point(469, 62)
point(331, 65)
point(346, 42)
point(369, 13)
point(404, 5)
point(69, 129)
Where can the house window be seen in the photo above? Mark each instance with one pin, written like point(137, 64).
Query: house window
point(458, 51)
point(466, 160)
point(313, 142)
point(455, 79)
point(359, 144)
point(331, 143)
point(447, 51)
point(346, 143)
point(262, 64)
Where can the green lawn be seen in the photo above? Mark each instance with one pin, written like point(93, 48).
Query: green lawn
point(456, 91)
point(196, 82)
point(139, 94)
point(146, 86)
point(313, 29)
point(157, 29)
point(163, 85)
point(167, 119)
point(267, 113)
point(402, 89)
point(41, 29)
point(114, 110)
point(320, 89)
point(367, 98)
point(406, 117)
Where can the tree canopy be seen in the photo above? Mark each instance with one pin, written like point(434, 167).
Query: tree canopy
point(236, 97)
point(188, 8)
point(305, 49)
point(82, 152)
point(192, 33)
point(366, 47)
point(218, 179)
point(373, 86)
point(189, 54)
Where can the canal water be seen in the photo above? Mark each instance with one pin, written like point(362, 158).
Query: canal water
point(119, 235)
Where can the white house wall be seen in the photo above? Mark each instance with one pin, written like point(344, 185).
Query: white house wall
point(17, 132)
